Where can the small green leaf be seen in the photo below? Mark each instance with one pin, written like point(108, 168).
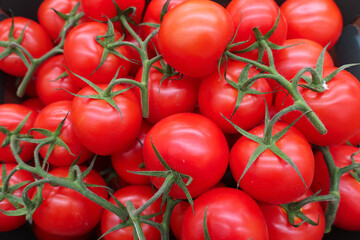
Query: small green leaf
point(164, 9)
point(205, 228)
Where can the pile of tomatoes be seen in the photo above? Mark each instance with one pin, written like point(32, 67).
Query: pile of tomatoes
point(180, 119)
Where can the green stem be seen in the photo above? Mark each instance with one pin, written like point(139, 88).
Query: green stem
point(135, 220)
point(5, 182)
point(164, 226)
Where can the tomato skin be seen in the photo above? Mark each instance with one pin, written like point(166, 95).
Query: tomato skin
point(280, 229)
point(138, 195)
point(47, 88)
point(194, 35)
point(83, 53)
point(34, 104)
point(217, 97)
point(174, 95)
point(9, 223)
point(231, 214)
point(270, 179)
point(35, 40)
point(66, 212)
point(177, 217)
point(342, 96)
point(348, 212)
point(191, 144)
point(319, 20)
point(10, 117)
point(99, 126)
point(49, 118)
point(42, 235)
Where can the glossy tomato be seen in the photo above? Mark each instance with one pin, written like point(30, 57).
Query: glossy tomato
point(194, 35)
point(191, 144)
point(177, 217)
point(66, 212)
point(317, 20)
point(35, 40)
point(34, 104)
point(231, 214)
point(270, 178)
point(217, 96)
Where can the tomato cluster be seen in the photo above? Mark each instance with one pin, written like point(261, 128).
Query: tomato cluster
point(140, 111)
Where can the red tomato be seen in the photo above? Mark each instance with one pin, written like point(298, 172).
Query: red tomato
point(191, 144)
point(131, 159)
point(270, 179)
point(231, 214)
point(11, 116)
point(49, 118)
point(35, 40)
point(217, 97)
point(9, 223)
point(247, 14)
point(34, 104)
point(83, 54)
point(48, 88)
point(175, 94)
point(355, 139)
point(100, 127)
point(177, 217)
point(66, 212)
point(280, 229)
point(317, 20)
point(194, 35)
point(42, 235)
point(138, 195)
point(348, 212)
point(341, 96)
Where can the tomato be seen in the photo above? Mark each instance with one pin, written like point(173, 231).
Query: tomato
point(341, 96)
point(50, 21)
point(83, 53)
point(177, 217)
point(49, 118)
point(174, 94)
point(270, 179)
point(348, 212)
point(355, 139)
point(35, 104)
point(11, 116)
point(9, 223)
point(100, 127)
point(42, 235)
point(35, 40)
point(194, 35)
point(131, 159)
point(51, 89)
point(191, 144)
point(138, 195)
point(280, 229)
point(319, 20)
point(66, 212)
point(247, 14)
point(217, 97)
point(231, 214)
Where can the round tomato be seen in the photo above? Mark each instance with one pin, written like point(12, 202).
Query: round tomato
point(177, 217)
point(194, 35)
point(42, 235)
point(34, 104)
point(66, 212)
point(35, 40)
point(319, 20)
point(231, 214)
point(138, 195)
point(217, 96)
point(191, 144)
point(270, 178)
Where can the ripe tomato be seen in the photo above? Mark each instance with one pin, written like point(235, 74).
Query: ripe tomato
point(341, 96)
point(66, 212)
point(217, 97)
point(177, 217)
point(35, 104)
point(231, 214)
point(11, 116)
point(348, 212)
point(83, 53)
point(280, 229)
point(35, 40)
point(42, 235)
point(191, 144)
point(175, 94)
point(138, 195)
point(9, 223)
point(49, 118)
point(270, 179)
point(194, 35)
point(100, 127)
point(48, 88)
point(317, 20)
